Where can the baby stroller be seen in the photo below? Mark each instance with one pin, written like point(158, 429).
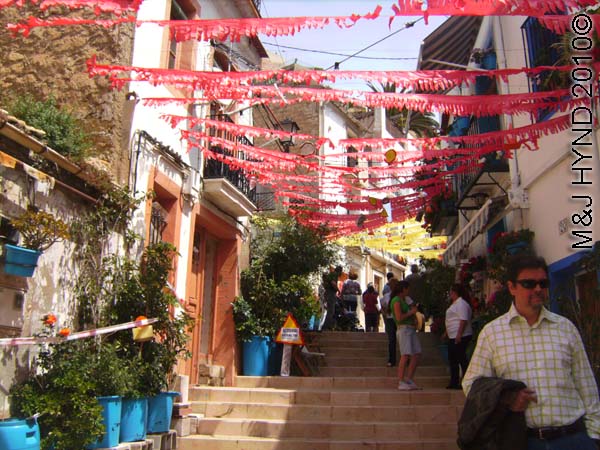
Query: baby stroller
point(345, 320)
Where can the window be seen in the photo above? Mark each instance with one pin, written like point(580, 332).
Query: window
point(158, 223)
point(544, 48)
point(352, 162)
point(180, 55)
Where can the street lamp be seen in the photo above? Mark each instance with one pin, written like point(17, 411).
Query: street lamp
point(289, 126)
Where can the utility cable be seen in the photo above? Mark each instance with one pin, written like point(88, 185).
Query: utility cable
point(406, 26)
point(336, 54)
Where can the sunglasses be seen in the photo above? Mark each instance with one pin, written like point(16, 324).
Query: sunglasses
point(531, 284)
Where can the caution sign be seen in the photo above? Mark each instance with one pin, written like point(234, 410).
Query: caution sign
point(290, 332)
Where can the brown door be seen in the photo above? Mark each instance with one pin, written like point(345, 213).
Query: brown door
point(208, 295)
point(193, 305)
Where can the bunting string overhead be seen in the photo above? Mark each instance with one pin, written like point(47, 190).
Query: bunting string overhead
point(116, 7)
point(418, 80)
point(323, 187)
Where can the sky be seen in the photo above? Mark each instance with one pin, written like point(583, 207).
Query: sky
point(403, 46)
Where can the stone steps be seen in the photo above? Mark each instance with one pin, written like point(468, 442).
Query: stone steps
point(353, 404)
point(307, 443)
point(329, 413)
point(351, 430)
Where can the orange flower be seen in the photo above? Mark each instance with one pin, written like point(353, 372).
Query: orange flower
point(49, 320)
point(140, 318)
point(64, 332)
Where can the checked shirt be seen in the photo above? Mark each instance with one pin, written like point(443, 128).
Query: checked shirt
point(549, 358)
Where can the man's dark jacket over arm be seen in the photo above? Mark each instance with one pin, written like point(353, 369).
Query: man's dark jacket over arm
point(486, 422)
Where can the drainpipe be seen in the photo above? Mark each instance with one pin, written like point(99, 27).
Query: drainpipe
point(503, 87)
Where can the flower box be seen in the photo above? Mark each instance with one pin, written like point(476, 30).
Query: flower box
point(20, 261)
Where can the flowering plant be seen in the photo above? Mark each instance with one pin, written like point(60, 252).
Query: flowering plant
point(505, 244)
point(475, 264)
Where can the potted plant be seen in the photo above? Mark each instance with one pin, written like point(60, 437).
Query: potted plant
point(38, 231)
point(275, 285)
point(60, 389)
point(144, 289)
point(504, 245)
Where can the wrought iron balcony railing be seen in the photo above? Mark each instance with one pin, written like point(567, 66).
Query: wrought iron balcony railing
point(218, 169)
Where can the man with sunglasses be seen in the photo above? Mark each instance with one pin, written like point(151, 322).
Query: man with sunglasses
point(544, 351)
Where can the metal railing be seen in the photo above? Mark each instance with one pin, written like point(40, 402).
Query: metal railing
point(218, 169)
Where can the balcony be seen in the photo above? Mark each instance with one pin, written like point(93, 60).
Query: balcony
point(229, 188)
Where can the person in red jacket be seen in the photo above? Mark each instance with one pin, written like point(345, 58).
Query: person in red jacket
point(370, 299)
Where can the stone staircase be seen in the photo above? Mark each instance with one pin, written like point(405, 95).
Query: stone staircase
point(354, 403)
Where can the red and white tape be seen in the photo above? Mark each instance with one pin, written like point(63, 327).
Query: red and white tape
point(80, 335)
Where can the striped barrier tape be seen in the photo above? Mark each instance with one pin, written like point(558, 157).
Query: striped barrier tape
point(80, 335)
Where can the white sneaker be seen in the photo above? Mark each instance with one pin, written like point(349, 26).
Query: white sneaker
point(404, 386)
point(413, 386)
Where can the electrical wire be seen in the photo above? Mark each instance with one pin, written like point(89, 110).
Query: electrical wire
point(336, 54)
point(406, 26)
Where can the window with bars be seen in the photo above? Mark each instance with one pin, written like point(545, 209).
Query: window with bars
point(543, 47)
point(158, 223)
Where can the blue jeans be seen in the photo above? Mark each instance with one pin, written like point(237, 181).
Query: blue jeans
point(578, 441)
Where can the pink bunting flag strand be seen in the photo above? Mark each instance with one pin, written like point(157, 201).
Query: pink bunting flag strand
point(419, 80)
point(460, 105)
point(206, 29)
point(532, 8)
point(31, 23)
point(117, 7)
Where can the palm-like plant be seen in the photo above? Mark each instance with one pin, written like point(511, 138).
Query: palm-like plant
point(421, 124)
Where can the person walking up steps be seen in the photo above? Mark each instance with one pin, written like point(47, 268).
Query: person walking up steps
point(388, 318)
point(410, 347)
point(351, 292)
point(370, 300)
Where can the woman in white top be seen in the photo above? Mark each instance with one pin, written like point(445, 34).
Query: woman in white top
point(459, 331)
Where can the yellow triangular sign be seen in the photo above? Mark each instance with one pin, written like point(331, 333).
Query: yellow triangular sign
point(290, 332)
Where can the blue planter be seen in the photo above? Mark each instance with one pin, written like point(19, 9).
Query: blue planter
point(20, 261)
point(489, 61)
point(17, 434)
point(517, 247)
point(134, 419)
point(160, 409)
point(111, 419)
point(256, 356)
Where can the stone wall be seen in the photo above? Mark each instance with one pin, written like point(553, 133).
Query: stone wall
point(52, 62)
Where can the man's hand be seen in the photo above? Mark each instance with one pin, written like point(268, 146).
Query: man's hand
point(522, 400)
point(457, 340)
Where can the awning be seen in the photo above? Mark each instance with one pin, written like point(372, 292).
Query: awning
point(450, 44)
point(477, 223)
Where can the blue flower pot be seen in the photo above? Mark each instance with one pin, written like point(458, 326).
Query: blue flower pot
point(20, 261)
point(111, 419)
point(134, 419)
point(160, 409)
point(517, 247)
point(256, 356)
point(19, 434)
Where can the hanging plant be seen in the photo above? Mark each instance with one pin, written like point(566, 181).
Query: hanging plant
point(504, 245)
